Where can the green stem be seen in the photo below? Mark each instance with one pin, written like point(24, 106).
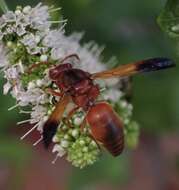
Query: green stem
point(3, 6)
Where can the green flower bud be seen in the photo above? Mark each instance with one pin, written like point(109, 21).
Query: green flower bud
point(18, 7)
point(75, 133)
point(9, 44)
point(83, 152)
point(26, 9)
point(64, 143)
point(132, 135)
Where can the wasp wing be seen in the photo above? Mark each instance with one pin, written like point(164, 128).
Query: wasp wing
point(50, 127)
point(134, 68)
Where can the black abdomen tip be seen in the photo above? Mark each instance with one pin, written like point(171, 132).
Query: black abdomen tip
point(49, 130)
point(155, 64)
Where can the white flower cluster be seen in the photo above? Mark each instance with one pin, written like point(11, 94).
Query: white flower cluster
point(18, 22)
point(27, 39)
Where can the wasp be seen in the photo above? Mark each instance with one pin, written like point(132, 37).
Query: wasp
point(78, 86)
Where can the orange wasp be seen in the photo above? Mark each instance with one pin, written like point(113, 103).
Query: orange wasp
point(78, 86)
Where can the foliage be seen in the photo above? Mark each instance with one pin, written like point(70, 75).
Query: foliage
point(169, 18)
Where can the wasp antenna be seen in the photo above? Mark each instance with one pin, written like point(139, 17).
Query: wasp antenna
point(49, 130)
point(155, 64)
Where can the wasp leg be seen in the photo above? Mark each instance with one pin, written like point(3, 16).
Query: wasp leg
point(72, 112)
point(69, 116)
point(35, 65)
point(67, 122)
point(82, 126)
point(69, 56)
point(95, 142)
point(53, 92)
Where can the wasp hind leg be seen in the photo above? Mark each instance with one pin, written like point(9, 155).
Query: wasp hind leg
point(36, 65)
point(66, 120)
point(53, 92)
point(82, 127)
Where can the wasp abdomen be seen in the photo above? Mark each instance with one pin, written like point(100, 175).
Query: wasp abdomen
point(116, 146)
point(106, 127)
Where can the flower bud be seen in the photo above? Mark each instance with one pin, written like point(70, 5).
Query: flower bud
point(43, 58)
point(26, 9)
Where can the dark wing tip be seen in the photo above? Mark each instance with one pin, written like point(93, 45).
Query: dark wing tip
point(155, 64)
point(49, 130)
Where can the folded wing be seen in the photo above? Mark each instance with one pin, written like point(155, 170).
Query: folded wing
point(50, 127)
point(134, 68)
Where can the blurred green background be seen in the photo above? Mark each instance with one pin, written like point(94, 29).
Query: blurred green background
point(130, 32)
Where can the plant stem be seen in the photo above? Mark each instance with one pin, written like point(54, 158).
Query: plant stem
point(3, 6)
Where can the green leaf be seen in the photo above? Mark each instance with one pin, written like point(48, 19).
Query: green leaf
point(3, 6)
point(168, 19)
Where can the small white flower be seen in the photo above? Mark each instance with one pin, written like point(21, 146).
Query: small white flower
point(124, 104)
point(38, 113)
point(53, 38)
point(18, 12)
point(41, 125)
point(22, 21)
point(29, 40)
point(130, 107)
point(112, 82)
point(58, 53)
point(39, 17)
point(1, 35)
point(55, 139)
point(175, 28)
point(12, 73)
point(112, 94)
point(37, 39)
point(9, 44)
point(20, 30)
point(9, 17)
point(27, 9)
point(43, 58)
point(89, 53)
point(6, 87)
point(9, 29)
point(59, 149)
point(75, 133)
point(45, 118)
point(21, 67)
point(3, 58)
point(16, 92)
point(82, 142)
point(78, 120)
point(64, 143)
point(33, 96)
point(45, 82)
point(2, 22)
point(31, 85)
